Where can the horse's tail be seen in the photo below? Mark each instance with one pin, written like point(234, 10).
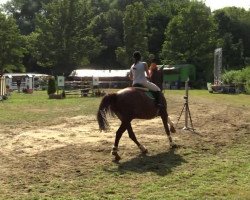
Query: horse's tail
point(106, 106)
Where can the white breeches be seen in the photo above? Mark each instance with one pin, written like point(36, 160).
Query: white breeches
point(151, 86)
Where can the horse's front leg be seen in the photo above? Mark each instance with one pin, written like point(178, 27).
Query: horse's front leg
point(164, 117)
point(133, 137)
point(118, 136)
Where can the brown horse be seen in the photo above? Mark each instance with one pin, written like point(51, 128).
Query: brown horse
point(128, 104)
point(156, 77)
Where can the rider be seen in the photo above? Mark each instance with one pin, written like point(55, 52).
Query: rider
point(153, 67)
point(137, 75)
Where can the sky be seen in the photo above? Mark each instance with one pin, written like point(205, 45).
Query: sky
point(213, 4)
point(217, 4)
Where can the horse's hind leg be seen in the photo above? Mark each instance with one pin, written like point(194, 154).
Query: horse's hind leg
point(164, 117)
point(118, 136)
point(171, 124)
point(133, 137)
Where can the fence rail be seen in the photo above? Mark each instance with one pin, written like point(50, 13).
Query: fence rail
point(3, 90)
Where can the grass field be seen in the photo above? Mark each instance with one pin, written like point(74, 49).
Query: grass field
point(75, 163)
point(25, 108)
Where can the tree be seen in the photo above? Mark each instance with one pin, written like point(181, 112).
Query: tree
point(191, 39)
point(11, 45)
point(24, 12)
point(64, 41)
point(122, 56)
point(108, 26)
point(234, 31)
point(135, 29)
point(160, 12)
point(51, 86)
point(122, 4)
point(99, 6)
point(232, 53)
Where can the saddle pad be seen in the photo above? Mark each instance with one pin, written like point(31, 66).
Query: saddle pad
point(149, 94)
point(146, 91)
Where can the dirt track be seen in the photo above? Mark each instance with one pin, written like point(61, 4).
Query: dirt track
point(27, 152)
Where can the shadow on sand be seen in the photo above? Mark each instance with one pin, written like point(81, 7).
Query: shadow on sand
point(161, 164)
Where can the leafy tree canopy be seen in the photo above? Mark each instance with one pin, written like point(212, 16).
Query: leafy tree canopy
point(64, 35)
point(234, 30)
point(64, 40)
point(11, 45)
point(190, 39)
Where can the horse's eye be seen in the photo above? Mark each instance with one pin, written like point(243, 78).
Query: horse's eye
point(134, 68)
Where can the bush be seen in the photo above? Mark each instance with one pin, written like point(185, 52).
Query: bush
point(230, 76)
point(247, 87)
point(239, 78)
point(51, 86)
point(246, 78)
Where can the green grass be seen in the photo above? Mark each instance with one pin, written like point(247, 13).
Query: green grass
point(204, 95)
point(31, 108)
point(206, 177)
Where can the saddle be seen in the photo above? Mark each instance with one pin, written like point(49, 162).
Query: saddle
point(148, 92)
point(155, 96)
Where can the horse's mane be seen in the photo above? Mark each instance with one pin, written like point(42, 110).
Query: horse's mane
point(157, 77)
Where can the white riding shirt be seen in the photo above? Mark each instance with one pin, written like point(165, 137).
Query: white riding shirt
point(138, 71)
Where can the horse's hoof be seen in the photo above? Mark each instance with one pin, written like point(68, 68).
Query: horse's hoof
point(143, 149)
point(174, 146)
point(117, 157)
point(172, 129)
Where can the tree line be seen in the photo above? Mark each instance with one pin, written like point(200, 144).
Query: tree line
point(58, 36)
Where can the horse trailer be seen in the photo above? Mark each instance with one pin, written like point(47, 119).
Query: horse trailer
point(174, 76)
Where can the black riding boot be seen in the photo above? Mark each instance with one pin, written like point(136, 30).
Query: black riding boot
point(158, 101)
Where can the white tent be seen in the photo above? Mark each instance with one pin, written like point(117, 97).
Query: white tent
point(27, 79)
point(11, 75)
point(98, 73)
